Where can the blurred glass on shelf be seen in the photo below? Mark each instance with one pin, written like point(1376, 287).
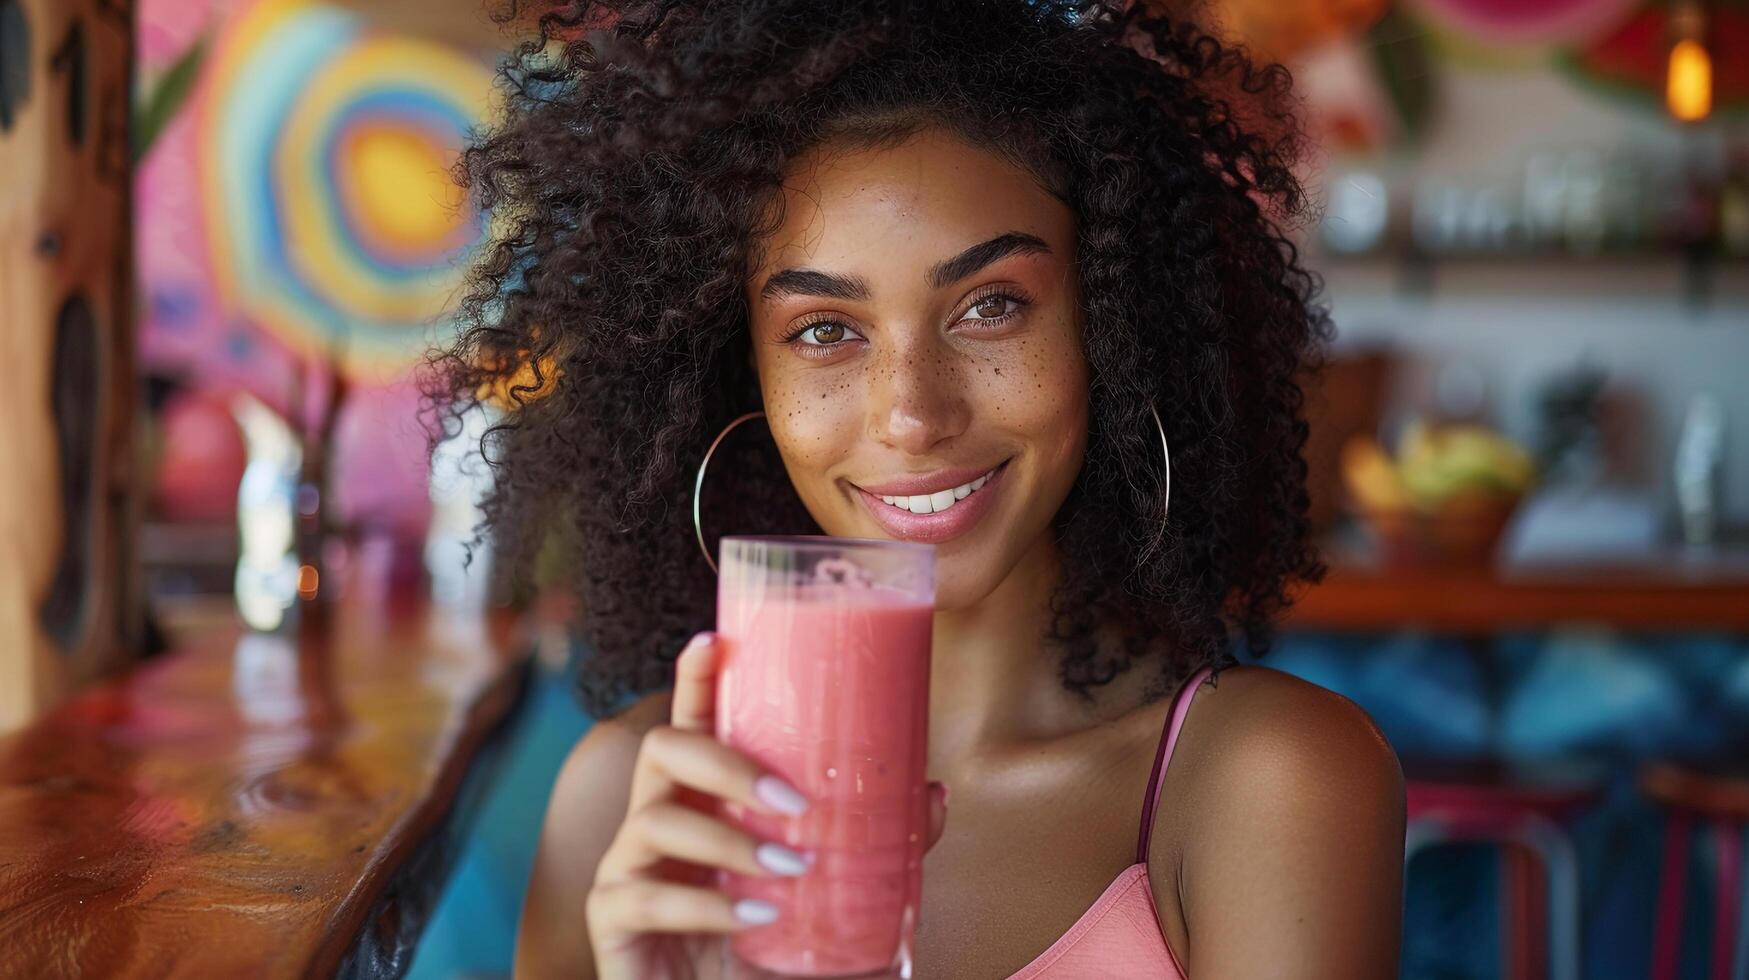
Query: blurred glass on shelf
point(1436, 216)
point(267, 566)
point(1357, 213)
point(1545, 196)
point(1699, 471)
point(1570, 443)
point(458, 562)
point(1584, 223)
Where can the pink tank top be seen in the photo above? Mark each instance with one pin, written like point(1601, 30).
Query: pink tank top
point(1119, 936)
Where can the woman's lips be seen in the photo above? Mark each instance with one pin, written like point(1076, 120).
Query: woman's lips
point(938, 527)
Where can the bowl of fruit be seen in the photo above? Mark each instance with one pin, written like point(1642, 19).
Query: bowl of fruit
point(1445, 497)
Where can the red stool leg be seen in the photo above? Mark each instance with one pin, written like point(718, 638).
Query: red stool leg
point(1672, 883)
point(1536, 898)
point(1729, 866)
point(1506, 907)
point(1506, 913)
point(1525, 903)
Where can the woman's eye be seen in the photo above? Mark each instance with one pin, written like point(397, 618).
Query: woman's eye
point(825, 334)
point(993, 307)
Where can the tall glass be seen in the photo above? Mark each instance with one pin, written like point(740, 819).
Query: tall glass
point(825, 682)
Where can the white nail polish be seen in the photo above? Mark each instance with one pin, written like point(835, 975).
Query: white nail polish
point(780, 796)
point(779, 859)
point(754, 912)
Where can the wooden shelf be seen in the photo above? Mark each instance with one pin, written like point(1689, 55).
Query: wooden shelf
point(1697, 281)
point(1658, 592)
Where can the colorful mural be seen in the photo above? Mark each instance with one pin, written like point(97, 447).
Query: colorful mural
point(323, 152)
point(299, 210)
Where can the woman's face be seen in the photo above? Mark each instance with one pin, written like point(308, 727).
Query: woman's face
point(916, 329)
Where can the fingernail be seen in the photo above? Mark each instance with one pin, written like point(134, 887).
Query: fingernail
point(754, 912)
point(699, 640)
point(780, 796)
point(779, 859)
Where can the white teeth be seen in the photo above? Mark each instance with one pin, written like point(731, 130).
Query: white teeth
point(935, 503)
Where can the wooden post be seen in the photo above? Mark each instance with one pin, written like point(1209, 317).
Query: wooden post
point(69, 599)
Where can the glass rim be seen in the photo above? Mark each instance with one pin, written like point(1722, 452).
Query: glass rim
point(824, 542)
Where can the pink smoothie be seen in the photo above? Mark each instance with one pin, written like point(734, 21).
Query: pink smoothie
point(830, 690)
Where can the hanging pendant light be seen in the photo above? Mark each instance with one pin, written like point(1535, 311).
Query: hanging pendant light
point(1688, 81)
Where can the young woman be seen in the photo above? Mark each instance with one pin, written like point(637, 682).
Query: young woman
point(1021, 242)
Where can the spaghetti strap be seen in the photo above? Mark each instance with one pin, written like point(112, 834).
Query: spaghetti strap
point(1163, 755)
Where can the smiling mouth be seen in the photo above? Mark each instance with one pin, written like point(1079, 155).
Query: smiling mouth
point(938, 516)
point(941, 500)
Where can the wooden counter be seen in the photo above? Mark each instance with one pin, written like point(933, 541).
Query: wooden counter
point(244, 808)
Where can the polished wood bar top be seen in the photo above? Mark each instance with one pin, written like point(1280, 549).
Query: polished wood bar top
point(1670, 591)
point(239, 807)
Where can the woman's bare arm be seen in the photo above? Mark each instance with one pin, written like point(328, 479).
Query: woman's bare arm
point(1292, 859)
point(587, 806)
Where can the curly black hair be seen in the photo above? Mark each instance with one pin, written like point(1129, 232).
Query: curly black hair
point(633, 172)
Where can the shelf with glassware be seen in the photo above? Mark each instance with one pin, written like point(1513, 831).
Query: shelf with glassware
point(1685, 222)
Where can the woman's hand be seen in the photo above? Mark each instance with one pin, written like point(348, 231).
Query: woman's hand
point(652, 912)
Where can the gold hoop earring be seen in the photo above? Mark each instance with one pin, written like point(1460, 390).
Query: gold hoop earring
point(698, 485)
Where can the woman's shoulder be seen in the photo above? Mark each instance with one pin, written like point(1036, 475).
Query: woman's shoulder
point(1284, 831)
point(1252, 729)
point(611, 743)
point(641, 715)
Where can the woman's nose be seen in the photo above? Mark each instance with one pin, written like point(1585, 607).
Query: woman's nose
point(919, 401)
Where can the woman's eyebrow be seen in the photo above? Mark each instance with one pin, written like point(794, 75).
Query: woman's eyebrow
point(982, 254)
point(813, 282)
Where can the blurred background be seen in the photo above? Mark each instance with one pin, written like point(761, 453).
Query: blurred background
point(1529, 459)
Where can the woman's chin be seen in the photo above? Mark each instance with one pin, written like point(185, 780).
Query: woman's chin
point(968, 568)
point(964, 579)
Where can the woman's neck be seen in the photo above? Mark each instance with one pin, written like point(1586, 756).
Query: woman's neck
point(994, 679)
